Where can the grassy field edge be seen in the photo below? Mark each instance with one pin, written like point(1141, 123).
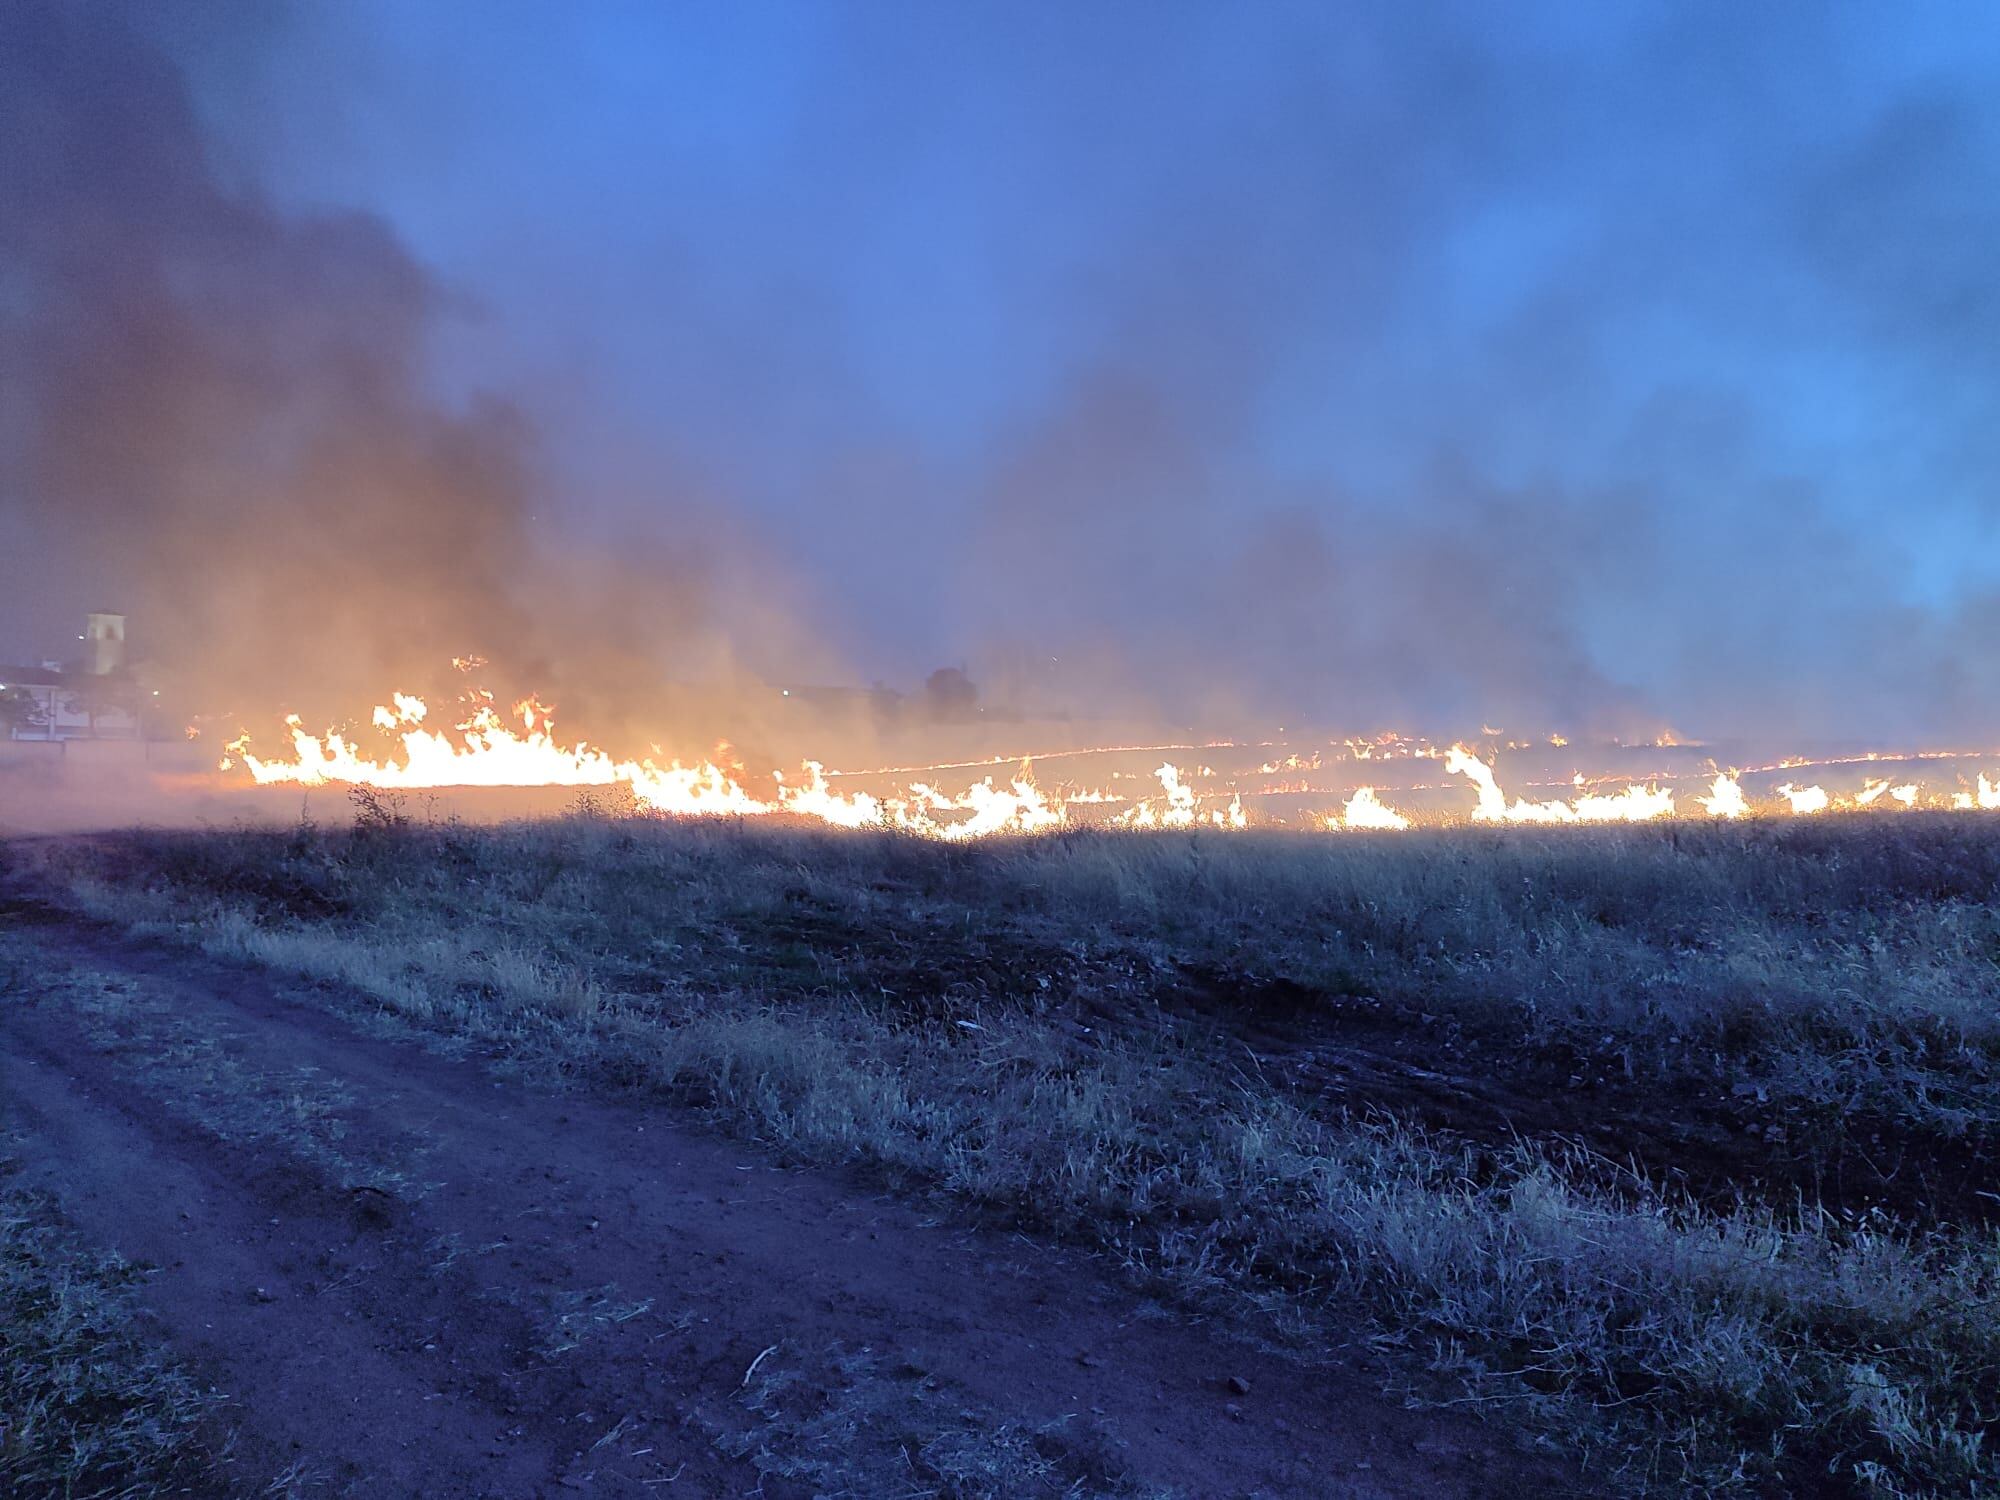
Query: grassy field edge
point(1680, 1344)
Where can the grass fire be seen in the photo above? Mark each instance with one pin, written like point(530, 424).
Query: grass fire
point(484, 749)
point(971, 753)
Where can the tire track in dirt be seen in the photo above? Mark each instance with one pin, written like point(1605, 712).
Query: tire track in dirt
point(568, 1291)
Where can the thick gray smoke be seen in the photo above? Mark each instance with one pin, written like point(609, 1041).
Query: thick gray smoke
point(1663, 389)
point(1387, 370)
point(216, 421)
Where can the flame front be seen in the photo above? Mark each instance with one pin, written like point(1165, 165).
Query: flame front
point(487, 751)
point(490, 749)
point(1366, 810)
point(1725, 799)
point(1180, 807)
point(1805, 799)
point(1987, 796)
point(1636, 804)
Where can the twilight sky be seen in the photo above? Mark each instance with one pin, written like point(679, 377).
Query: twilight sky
point(1551, 365)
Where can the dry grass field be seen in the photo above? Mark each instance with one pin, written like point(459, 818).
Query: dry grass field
point(1673, 1147)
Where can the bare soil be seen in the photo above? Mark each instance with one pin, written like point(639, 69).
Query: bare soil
point(477, 1286)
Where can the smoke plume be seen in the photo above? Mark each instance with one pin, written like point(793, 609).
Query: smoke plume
point(1347, 370)
point(217, 421)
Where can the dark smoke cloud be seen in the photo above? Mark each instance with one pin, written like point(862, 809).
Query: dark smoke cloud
point(217, 421)
point(223, 421)
point(1652, 372)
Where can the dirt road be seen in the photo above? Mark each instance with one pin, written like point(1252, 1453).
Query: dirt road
point(415, 1276)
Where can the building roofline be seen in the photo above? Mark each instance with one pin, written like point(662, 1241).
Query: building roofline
point(31, 677)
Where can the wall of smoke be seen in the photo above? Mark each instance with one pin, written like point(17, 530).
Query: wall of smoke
point(1456, 260)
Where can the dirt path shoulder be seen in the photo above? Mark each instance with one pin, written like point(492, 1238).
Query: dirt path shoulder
point(414, 1278)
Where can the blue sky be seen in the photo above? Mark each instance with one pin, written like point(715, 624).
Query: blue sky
point(1276, 358)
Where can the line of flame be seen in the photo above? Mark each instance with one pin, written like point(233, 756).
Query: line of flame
point(485, 750)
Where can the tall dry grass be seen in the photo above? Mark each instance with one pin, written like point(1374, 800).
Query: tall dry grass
point(985, 1022)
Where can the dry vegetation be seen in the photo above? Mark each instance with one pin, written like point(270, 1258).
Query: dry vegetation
point(87, 1406)
point(1676, 1141)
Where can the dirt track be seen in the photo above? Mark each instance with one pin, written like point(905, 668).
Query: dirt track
point(414, 1277)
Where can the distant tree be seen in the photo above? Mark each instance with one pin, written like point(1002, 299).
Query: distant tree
point(949, 695)
point(19, 710)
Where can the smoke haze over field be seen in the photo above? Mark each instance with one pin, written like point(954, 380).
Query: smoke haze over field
point(218, 420)
point(1584, 368)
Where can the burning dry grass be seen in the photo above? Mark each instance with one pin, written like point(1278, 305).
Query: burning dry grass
point(1677, 1139)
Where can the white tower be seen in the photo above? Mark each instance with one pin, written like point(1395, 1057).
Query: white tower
point(103, 643)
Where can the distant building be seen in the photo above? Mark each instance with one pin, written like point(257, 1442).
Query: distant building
point(96, 700)
point(42, 688)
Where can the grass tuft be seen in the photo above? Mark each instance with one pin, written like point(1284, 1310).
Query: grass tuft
point(87, 1408)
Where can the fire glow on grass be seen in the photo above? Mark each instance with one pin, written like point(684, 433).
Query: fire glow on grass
point(486, 749)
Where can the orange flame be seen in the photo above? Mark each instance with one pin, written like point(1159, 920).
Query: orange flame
point(490, 749)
